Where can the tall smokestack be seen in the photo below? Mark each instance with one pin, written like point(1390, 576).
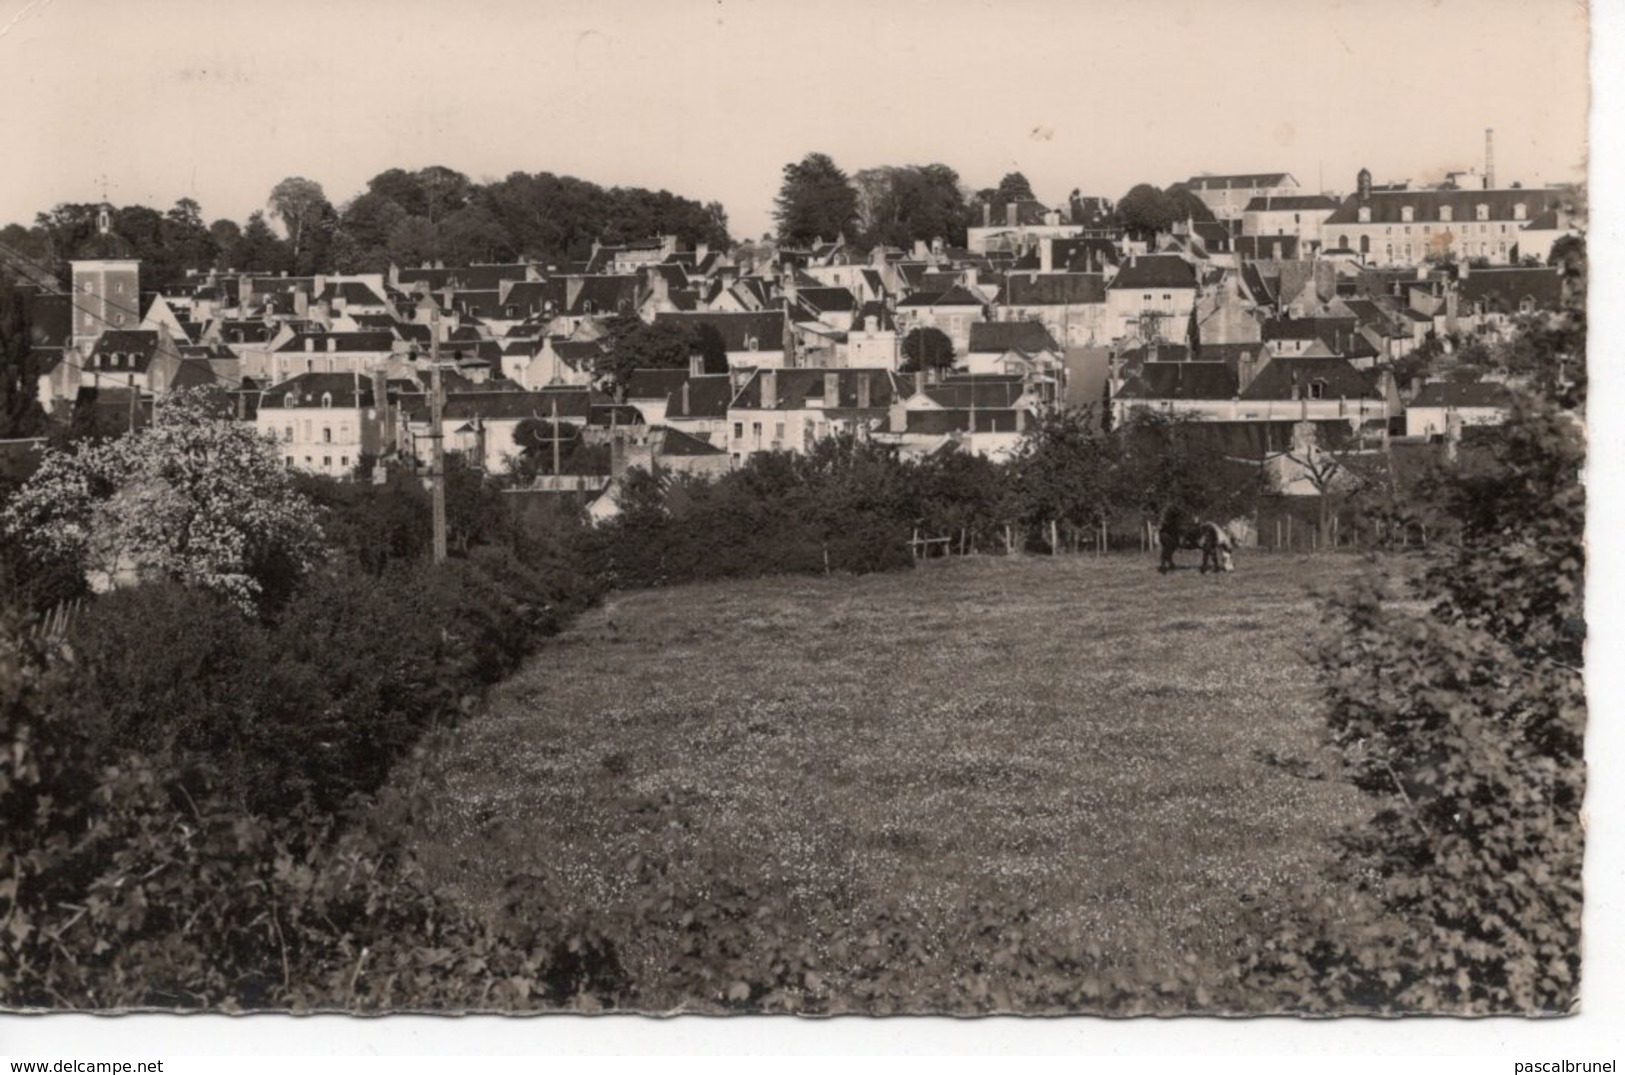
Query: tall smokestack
point(1489, 158)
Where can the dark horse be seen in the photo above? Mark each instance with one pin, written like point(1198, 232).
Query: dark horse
point(1214, 541)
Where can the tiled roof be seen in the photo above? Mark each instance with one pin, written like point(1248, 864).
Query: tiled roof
point(1237, 182)
point(1509, 287)
point(1277, 379)
point(321, 342)
point(978, 392)
point(605, 294)
point(961, 420)
point(766, 327)
point(954, 296)
point(309, 388)
point(1181, 380)
point(351, 291)
point(708, 397)
point(1054, 289)
point(828, 299)
point(998, 337)
point(1154, 270)
point(654, 384)
point(1386, 207)
point(1265, 203)
point(793, 388)
point(1267, 247)
point(676, 442)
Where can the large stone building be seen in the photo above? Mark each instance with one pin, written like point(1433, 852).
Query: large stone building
point(1405, 227)
point(1229, 195)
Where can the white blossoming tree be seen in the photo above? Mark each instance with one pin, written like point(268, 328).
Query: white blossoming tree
point(196, 497)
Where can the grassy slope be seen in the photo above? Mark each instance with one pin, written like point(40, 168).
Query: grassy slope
point(1085, 734)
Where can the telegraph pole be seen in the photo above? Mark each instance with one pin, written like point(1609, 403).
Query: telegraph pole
point(437, 452)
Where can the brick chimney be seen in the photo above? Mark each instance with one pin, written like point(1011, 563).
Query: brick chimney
point(864, 398)
point(683, 399)
point(1010, 217)
point(832, 390)
point(1046, 255)
point(770, 388)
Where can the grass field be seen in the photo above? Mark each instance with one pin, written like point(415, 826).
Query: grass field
point(1135, 755)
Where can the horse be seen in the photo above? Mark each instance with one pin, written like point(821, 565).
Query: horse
point(1214, 540)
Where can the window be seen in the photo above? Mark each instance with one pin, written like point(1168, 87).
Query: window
point(778, 430)
point(739, 431)
point(288, 401)
point(1520, 211)
point(1406, 213)
point(327, 461)
point(1407, 229)
point(344, 460)
point(1481, 211)
point(1167, 297)
point(1365, 214)
point(327, 434)
point(290, 461)
point(1317, 389)
point(327, 399)
point(287, 434)
point(750, 343)
point(756, 431)
point(344, 432)
point(1445, 213)
point(307, 460)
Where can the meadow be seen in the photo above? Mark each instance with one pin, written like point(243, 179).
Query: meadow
point(1127, 757)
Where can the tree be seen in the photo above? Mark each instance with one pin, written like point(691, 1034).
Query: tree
point(1063, 474)
point(301, 205)
point(927, 349)
point(1187, 206)
point(634, 344)
point(258, 249)
point(901, 205)
point(1458, 704)
point(20, 413)
point(1146, 210)
point(1013, 188)
point(815, 200)
point(196, 497)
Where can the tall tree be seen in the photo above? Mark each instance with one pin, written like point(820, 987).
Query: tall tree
point(20, 413)
point(913, 202)
point(816, 200)
point(927, 349)
point(1146, 210)
point(301, 205)
point(258, 249)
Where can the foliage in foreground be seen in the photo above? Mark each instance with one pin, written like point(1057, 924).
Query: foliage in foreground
point(1459, 707)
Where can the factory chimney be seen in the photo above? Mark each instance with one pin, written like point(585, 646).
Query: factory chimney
point(1489, 158)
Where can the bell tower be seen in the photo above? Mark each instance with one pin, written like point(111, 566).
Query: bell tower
point(106, 285)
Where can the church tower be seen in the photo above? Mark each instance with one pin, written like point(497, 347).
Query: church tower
point(106, 285)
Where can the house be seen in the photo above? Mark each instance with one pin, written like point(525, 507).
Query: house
point(146, 359)
point(792, 409)
point(1432, 411)
point(662, 450)
point(1022, 349)
point(876, 343)
point(325, 423)
point(648, 390)
point(752, 339)
point(1297, 215)
point(1229, 195)
point(699, 407)
point(951, 312)
point(980, 415)
point(1405, 227)
point(555, 361)
point(1070, 305)
point(1543, 231)
point(333, 352)
point(1152, 296)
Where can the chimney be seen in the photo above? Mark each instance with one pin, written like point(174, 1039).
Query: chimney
point(920, 252)
point(770, 389)
point(332, 344)
point(936, 245)
point(1489, 158)
point(1463, 269)
point(987, 214)
point(696, 366)
point(864, 389)
point(832, 390)
point(871, 325)
point(683, 399)
point(970, 277)
point(1046, 255)
point(919, 381)
point(310, 343)
point(1010, 214)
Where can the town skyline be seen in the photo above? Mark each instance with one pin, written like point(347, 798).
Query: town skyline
point(206, 119)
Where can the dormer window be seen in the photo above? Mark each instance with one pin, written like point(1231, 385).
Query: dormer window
point(1365, 214)
point(1407, 213)
point(751, 343)
point(1317, 389)
point(290, 401)
point(327, 399)
point(1520, 211)
point(1446, 213)
point(1482, 211)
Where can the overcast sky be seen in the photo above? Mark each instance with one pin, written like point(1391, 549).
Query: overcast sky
point(711, 98)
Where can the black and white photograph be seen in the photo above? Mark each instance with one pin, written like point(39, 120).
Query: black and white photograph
point(750, 509)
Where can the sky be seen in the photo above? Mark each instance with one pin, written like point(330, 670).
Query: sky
point(711, 99)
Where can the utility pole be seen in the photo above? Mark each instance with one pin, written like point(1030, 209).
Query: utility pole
point(437, 453)
point(555, 438)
